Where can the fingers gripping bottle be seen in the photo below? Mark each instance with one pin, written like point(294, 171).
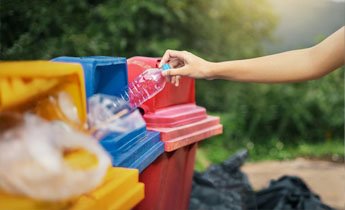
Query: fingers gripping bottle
point(145, 86)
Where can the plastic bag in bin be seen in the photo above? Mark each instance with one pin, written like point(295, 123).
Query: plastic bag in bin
point(109, 114)
point(58, 106)
point(41, 159)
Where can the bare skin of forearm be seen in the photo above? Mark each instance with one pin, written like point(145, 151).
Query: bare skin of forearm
point(292, 66)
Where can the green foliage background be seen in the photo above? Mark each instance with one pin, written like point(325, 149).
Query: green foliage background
point(252, 114)
point(42, 29)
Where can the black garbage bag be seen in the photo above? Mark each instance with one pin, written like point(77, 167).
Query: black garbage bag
point(222, 186)
point(225, 187)
point(288, 193)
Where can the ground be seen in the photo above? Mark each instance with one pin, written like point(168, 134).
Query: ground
point(327, 179)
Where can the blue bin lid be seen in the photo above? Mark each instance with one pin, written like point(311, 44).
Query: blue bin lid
point(114, 141)
point(100, 60)
point(103, 74)
point(141, 153)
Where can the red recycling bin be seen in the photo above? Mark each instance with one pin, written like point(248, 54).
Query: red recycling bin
point(172, 112)
point(168, 180)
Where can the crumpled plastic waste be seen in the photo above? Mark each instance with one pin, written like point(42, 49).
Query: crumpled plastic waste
point(58, 106)
point(109, 114)
point(34, 157)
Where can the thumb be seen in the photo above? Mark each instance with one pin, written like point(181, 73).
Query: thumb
point(182, 71)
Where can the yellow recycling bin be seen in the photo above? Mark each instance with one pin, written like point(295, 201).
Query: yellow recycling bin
point(36, 85)
point(120, 190)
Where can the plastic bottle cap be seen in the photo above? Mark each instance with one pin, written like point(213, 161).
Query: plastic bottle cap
point(166, 67)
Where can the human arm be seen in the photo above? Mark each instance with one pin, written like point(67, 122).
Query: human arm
point(291, 66)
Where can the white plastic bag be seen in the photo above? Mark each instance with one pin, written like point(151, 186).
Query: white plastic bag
point(109, 114)
point(32, 159)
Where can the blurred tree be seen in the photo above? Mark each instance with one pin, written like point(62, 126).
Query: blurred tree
point(42, 29)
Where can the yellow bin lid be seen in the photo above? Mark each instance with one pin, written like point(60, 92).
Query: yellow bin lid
point(25, 82)
point(120, 190)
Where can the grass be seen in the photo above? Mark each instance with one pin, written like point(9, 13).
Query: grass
point(219, 148)
point(215, 150)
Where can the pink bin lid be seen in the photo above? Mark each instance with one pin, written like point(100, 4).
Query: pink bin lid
point(177, 137)
point(177, 115)
point(183, 125)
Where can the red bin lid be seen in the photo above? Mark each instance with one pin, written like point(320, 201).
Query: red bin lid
point(177, 137)
point(177, 115)
point(182, 125)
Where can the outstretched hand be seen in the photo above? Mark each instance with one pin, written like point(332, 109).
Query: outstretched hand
point(184, 63)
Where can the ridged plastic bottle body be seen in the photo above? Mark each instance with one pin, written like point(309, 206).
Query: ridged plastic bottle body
point(144, 87)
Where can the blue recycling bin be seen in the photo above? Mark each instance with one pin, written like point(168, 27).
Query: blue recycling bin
point(103, 74)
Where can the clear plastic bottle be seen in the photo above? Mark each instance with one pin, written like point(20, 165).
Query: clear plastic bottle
point(145, 86)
